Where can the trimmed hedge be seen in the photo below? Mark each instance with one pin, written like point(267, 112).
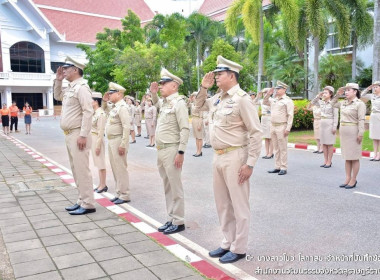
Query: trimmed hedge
point(303, 118)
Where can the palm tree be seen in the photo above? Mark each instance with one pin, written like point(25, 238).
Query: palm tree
point(362, 28)
point(252, 12)
point(376, 43)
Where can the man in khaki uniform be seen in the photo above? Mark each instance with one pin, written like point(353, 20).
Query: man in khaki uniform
point(117, 130)
point(235, 135)
point(282, 113)
point(76, 119)
point(172, 134)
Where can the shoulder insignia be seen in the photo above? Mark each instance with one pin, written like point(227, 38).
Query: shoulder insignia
point(241, 92)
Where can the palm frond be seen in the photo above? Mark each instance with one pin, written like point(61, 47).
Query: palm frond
point(232, 15)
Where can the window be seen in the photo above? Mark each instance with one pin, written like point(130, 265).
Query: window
point(27, 57)
point(332, 45)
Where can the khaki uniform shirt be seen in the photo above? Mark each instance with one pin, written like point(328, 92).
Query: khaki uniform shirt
point(375, 101)
point(194, 111)
point(77, 108)
point(265, 109)
point(328, 111)
point(98, 126)
point(151, 113)
point(138, 110)
point(131, 112)
point(282, 110)
point(118, 122)
point(234, 121)
point(173, 122)
point(352, 112)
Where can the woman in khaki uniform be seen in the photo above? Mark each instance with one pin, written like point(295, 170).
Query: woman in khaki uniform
point(150, 119)
point(316, 126)
point(131, 110)
point(265, 124)
point(374, 122)
point(197, 124)
point(328, 123)
point(97, 134)
point(138, 114)
point(352, 117)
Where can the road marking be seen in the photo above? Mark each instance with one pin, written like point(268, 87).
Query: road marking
point(368, 194)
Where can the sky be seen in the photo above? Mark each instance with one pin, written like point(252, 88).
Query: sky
point(165, 7)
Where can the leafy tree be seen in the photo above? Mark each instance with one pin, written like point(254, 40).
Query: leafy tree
point(334, 71)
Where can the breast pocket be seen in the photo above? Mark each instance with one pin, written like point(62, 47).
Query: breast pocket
point(70, 98)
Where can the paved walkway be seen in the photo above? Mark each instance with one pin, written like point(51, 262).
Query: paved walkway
point(43, 241)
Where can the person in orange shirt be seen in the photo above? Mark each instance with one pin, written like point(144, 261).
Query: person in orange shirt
point(5, 118)
point(14, 115)
point(28, 117)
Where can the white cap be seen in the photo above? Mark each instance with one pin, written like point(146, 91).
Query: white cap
point(223, 64)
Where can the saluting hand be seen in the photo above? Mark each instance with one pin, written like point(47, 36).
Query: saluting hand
point(106, 97)
point(178, 161)
point(244, 173)
point(153, 87)
point(208, 80)
point(340, 91)
point(270, 92)
point(81, 142)
point(59, 75)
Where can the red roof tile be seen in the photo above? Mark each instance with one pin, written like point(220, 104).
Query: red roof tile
point(116, 8)
point(79, 28)
point(216, 9)
point(83, 28)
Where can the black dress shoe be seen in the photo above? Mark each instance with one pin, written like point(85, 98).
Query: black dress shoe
point(198, 155)
point(138, 135)
point(207, 146)
point(146, 137)
point(372, 159)
point(323, 165)
point(315, 152)
point(264, 157)
point(165, 226)
point(220, 252)
point(327, 166)
point(105, 189)
point(82, 211)
point(231, 257)
point(274, 171)
point(148, 146)
point(72, 208)
point(120, 201)
point(351, 187)
point(133, 142)
point(270, 156)
point(320, 152)
point(174, 229)
point(342, 185)
point(282, 172)
point(114, 199)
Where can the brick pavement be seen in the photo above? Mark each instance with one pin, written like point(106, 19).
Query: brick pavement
point(43, 241)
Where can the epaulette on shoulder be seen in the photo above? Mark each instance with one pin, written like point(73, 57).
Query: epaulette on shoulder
point(241, 92)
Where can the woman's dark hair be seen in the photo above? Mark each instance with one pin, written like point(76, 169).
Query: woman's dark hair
point(99, 100)
point(331, 93)
point(357, 93)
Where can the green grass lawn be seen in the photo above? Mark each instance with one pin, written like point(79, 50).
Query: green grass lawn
point(307, 137)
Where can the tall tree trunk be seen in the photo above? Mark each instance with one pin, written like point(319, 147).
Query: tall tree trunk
point(316, 66)
point(354, 49)
point(376, 43)
point(306, 67)
point(261, 50)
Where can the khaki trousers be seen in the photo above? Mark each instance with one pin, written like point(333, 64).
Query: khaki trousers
point(232, 200)
point(280, 146)
point(119, 169)
point(80, 165)
point(171, 177)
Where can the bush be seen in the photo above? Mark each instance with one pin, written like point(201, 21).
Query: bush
point(303, 118)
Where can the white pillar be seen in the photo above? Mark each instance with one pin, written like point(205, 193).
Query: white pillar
point(8, 96)
point(44, 97)
point(50, 103)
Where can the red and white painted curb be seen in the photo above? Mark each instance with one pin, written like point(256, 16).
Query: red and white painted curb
point(337, 151)
point(208, 268)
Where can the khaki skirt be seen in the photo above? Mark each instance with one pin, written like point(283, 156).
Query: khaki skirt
point(317, 129)
point(151, 129)
point(351, 150)
point(137, 120)
point(265, 125)
point(195, 123)
point(374, 126)
point(100, 160)
point(327, 137)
